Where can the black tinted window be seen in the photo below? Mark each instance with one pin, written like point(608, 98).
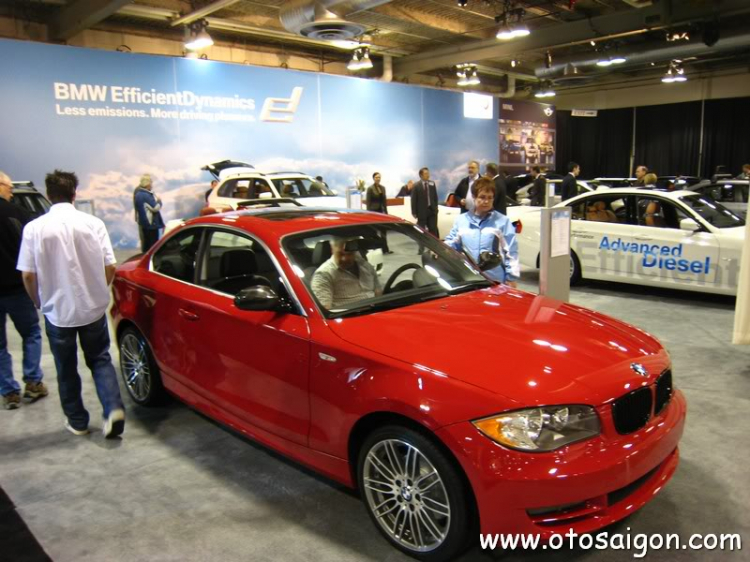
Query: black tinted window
point(176, 258)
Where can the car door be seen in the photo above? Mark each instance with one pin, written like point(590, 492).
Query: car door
point(668, 254)
point(253, 364)
point(168, 302)
point(601, 234)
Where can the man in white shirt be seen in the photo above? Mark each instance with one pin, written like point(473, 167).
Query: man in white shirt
point(463, 189)
point(67, 264)
point(345, 278)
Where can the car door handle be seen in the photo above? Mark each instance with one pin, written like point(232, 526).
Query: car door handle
point(187, 315)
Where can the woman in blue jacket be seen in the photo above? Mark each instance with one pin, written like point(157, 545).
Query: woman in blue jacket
point(485, 229)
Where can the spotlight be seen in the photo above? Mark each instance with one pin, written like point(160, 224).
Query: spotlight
point(675, 73)
point(520, 29)
point(467, 75)
point(711, 33)
point(545, 91)
point(505, 33)
point(548, 59)
point(514, 63)
point(197, 37)
point(360, 59)
point(512, 25)
point(462, 3)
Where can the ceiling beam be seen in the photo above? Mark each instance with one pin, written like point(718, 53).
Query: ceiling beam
point(654, 17)
point(203, 12)
point(80, 15)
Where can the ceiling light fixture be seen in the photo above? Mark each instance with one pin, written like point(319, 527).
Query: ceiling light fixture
point(512, 24)
point(467, 75)
point(545, 91)
point(514, 63)
point(462, 3)
point(196, 36)
point(360, 59)
point(675, 73)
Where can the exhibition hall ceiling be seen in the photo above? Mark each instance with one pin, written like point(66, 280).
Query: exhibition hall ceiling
point(568, 47)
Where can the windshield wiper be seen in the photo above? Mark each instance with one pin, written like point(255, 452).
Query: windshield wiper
point(387, 305)
point(471, 286)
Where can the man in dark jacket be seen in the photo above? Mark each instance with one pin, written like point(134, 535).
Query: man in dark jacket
point(538, 188)
point(14, 302)
point(569, 183)
point(500, 204)
point(463, 189)
point(424, 202)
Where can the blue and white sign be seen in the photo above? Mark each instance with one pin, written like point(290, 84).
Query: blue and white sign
point(111, 117)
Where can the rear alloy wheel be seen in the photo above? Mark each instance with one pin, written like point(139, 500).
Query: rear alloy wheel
point(414, 494)
point(139, 370)
point(575, 269)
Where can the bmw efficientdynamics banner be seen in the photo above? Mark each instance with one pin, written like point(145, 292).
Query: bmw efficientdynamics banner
point(111, 117)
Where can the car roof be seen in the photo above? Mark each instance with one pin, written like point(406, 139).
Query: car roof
point(638, 191)
point(280, 221)
point(234, 173)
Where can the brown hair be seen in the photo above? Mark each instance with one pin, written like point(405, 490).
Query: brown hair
point(483, 184)
point(61, 186)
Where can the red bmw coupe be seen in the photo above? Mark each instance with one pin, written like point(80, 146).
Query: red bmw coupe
point(364, 348)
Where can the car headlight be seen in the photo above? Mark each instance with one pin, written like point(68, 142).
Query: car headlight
point(541, 429)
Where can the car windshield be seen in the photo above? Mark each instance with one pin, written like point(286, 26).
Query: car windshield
point(301, 187)
point(712, 212)
point(363, 269)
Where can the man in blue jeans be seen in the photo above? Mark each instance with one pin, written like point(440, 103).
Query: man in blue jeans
point(14, 302)
point(67, 264)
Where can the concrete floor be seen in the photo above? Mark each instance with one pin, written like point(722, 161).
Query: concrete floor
point(179, 487)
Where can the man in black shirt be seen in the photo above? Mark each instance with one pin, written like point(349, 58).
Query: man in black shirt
point(537, 192)
point(511, 184)
point(569, 183)
point(500, 204)
point(14, 302)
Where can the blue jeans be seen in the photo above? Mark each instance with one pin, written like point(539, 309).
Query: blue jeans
point(94, 339)
point(26, 320)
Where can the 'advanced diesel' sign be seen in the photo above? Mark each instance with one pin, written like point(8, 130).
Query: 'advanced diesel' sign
point(658, 256)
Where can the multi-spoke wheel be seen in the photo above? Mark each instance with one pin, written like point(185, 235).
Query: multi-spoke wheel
point(414, 494)
point(138, 368)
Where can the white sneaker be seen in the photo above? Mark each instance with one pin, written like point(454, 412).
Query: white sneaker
point(75, 431)
point(114, 425)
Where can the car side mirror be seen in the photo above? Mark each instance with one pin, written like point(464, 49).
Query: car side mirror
point(489, 260)
point(257, 298)
point(690, 225)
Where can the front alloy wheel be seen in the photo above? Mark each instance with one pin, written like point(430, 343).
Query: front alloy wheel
point(414, 494)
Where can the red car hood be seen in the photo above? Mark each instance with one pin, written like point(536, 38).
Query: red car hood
point(531, 349)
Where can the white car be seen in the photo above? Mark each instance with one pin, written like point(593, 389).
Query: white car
point(522, 195)
point(239, 182)
point(678, 239)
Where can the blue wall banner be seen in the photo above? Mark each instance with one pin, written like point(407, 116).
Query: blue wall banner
point(111, 117)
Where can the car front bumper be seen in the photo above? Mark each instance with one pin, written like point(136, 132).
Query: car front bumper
point(582, 488)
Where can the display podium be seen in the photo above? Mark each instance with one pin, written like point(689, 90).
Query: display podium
point(554, 256)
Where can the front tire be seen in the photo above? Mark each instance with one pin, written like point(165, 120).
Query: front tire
point(414, 494)
point(139, 370)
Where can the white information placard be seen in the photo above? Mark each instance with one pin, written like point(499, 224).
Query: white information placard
point(560, 231)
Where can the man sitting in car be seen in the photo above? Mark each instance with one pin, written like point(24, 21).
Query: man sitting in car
point(346, 277)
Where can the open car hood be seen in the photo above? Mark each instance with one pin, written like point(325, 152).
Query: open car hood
point(216, 168)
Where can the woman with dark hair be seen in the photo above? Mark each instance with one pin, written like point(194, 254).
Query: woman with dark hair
point(376, 201)
point(485, 230)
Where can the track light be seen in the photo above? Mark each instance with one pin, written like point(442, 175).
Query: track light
point(514, 63)
point(467, 75)
point(462, 3)
point(675, 73)
point(196, 36)
point(512, 25)
point(545, 91)
point(360, 59)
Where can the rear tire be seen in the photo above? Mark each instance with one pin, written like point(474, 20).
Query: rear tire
point(139, 370)
point(575, 269)
point(415, 495)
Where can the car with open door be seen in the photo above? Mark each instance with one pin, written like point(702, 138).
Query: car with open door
point(276, 322)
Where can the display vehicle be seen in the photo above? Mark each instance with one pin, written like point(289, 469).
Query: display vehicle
point(677, 239)
point(733, 194)
point(522, 195)
point(26, 196)
point(455, 405)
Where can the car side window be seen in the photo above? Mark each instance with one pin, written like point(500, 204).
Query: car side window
point(233, 262)
point(604, 208)
point(227, 188)
point(659, 213)
point(176, 258)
